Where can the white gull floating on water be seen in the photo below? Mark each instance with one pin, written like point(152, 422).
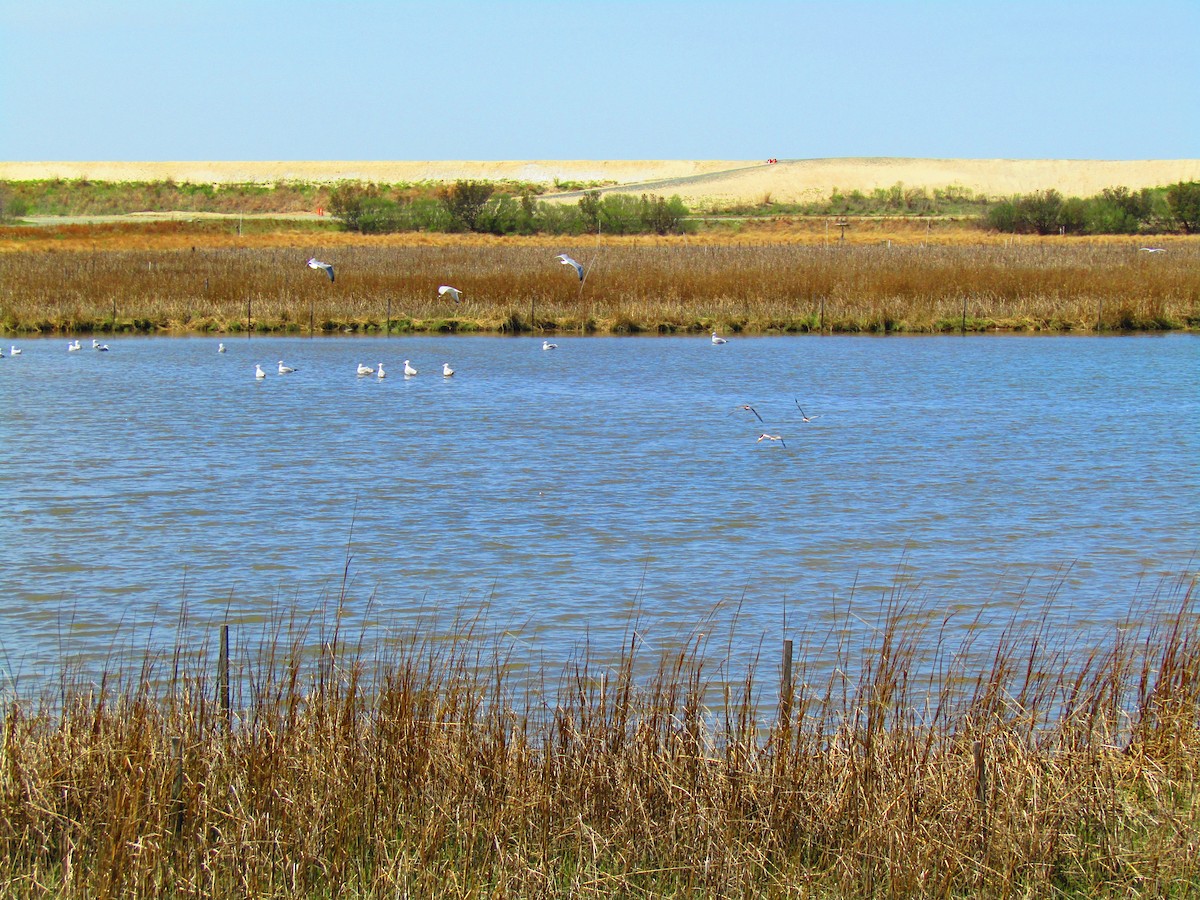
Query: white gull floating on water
point(258, 371)
point(446, 370)
point(409, 371)
point(365, 370)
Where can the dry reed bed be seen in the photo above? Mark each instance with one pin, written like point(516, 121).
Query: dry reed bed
point(663, 286)
point(429, 769)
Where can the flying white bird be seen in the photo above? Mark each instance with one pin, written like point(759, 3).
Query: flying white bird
point(409, 371)
point(771, 437)
point(365, 370)
point(96, 345)
point(220, 348)
point(749, 408)
point(283, 370)
point(546, 345)
point(455, 293)
point(1152, 250)
point(718, 340)
point(446, 370)
point(567, 261)
point(314, 263)
point(803, 416)
point(258, 372)
point(379, 371)
point(73, 346)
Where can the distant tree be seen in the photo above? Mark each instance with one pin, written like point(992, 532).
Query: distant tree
point(501, 215)
point(1002, 215)
point(378, 215)
point(663, 216)
point(1039, 212)
point(346, 202)
point(1183, 199)
point(465, 201)
point(1074, 215)
point(558, 218)
point(11, 205)
point(589, 211)
point(621, 214)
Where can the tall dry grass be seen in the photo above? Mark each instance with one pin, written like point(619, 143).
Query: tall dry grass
point(790, 282)
point(917, 765)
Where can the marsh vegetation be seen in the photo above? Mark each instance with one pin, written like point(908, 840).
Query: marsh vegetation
point(1017, 763)
point(885, 276)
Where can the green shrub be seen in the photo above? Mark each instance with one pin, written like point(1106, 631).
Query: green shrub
point(1183, 200)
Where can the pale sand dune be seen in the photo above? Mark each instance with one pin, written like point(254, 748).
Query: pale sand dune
point(698, 182)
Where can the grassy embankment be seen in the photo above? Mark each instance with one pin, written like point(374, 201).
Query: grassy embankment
point(786, 276)
point(429, 768)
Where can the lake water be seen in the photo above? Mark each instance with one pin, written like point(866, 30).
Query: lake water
point(564, 490)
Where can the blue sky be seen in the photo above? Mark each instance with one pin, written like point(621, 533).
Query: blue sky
point(262, 80)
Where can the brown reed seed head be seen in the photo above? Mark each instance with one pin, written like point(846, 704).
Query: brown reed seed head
point(435, 766)
point(166, 278)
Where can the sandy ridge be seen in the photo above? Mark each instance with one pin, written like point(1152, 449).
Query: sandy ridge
point(698, 182)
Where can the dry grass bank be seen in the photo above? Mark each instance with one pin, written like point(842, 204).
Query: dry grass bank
point(785, 276)
point(431, 769)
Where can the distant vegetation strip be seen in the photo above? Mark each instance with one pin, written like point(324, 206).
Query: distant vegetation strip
point(516, 208)
point(898, 282)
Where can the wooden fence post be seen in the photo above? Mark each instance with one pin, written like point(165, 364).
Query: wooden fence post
point(223, 677)
point(785, 688)
point(177, 786)
point(981, 791)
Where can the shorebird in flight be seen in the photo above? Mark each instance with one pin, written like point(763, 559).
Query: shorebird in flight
point(455, 293)
point(717, 339)
point(567, 261)
point(446, 370)
point(802, 415)
point(314, 263)
point(283, 370)
point(749, 408)
point(365, 370)
point(771, 437)
point(546, 345)
point(1152, 250)
point(258, 372)
point(409, 371)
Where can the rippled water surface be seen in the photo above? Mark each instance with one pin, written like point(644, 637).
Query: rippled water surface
point(563, 489)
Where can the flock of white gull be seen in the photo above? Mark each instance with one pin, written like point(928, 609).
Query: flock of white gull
point(411, 371)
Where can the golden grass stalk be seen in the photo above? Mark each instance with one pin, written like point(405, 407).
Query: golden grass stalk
point(793, 282)
point(916, 764)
